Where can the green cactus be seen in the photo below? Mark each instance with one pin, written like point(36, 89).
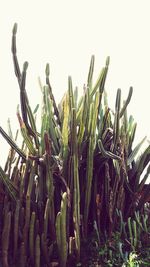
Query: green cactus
point(37, 251)
point(16, 229)
point(5, 239)
point(68, 180)
point(32, 237)
point(61, 231)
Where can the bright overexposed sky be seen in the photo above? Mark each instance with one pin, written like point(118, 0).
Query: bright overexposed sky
point(66, 33)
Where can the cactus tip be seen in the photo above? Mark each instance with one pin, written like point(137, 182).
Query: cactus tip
point(131, 89)
point(15, 29)
point(25, 65)
point(107, 61)
point(47, 70)
point(118, 91)
point(93, 57)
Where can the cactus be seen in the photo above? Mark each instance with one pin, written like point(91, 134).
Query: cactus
point(31, 237)
point(70, 178)
point(5, 239)
point(23, 255)
point(37, 251)
point(16, 229)
point(61, 231)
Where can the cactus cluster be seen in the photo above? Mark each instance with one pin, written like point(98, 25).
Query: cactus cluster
point(77, 172)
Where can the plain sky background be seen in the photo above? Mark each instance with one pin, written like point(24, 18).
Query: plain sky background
point(66, 34)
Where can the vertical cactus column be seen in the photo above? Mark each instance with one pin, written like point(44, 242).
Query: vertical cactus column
point(5, 239)
point(31, 236)
point(61, 232)
point(76, 190)
point(91, 147)
point(16, 228)
point(37, 251)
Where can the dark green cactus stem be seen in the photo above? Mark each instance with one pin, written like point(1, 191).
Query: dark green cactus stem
point(131, 137)
point(45, 250)
point(71, 96)
point(47, 72)
point(137, 218)
point(16, 229)
point(32, 237)
point(5, 239)
point(27, 222)
point(31, 179)
point(23, 255)
point(61, 231)
point(46, 216)
point(14, 52)
point(107, 186)
point(145, 220)
point(135, 151)
point(37, 251)
point(122, 224)
point(130, 232)
point(145, 178)
point(65, 130)
point(21, 77)
point(141, 163)
point(76, 191)
point(83, 120)
point(90, 74)
point(9, 129)
point(101, 79)
point(102, 84)
point(50, 122)
point(26, 137)
point(89, 171)
point(126, 102)
point(10, 187)
point(116, 120)
point(134, 226)
point(25, 108)
point(49, 174)
point(58, 233)
point(107, 154)
point(12, 144)
point(64, 245)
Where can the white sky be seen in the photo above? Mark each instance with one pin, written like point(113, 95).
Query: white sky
point(66, 34)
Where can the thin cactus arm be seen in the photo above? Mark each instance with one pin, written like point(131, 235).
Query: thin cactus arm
point(142, 161)
point(126, 102)
point(107, 154)
point(144, 179)
point(26, 136)
point(90, 74)
point(101, 79)
point(56, 111)
point(21, 77)
point(14, 53)
point(10, 187)
point(135, 151)
point(65, 129)
point(12, 143)
point(117, 119)
point(5, 239)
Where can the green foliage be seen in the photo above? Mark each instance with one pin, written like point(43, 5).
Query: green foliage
point(70, 178)
point(126, 247)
